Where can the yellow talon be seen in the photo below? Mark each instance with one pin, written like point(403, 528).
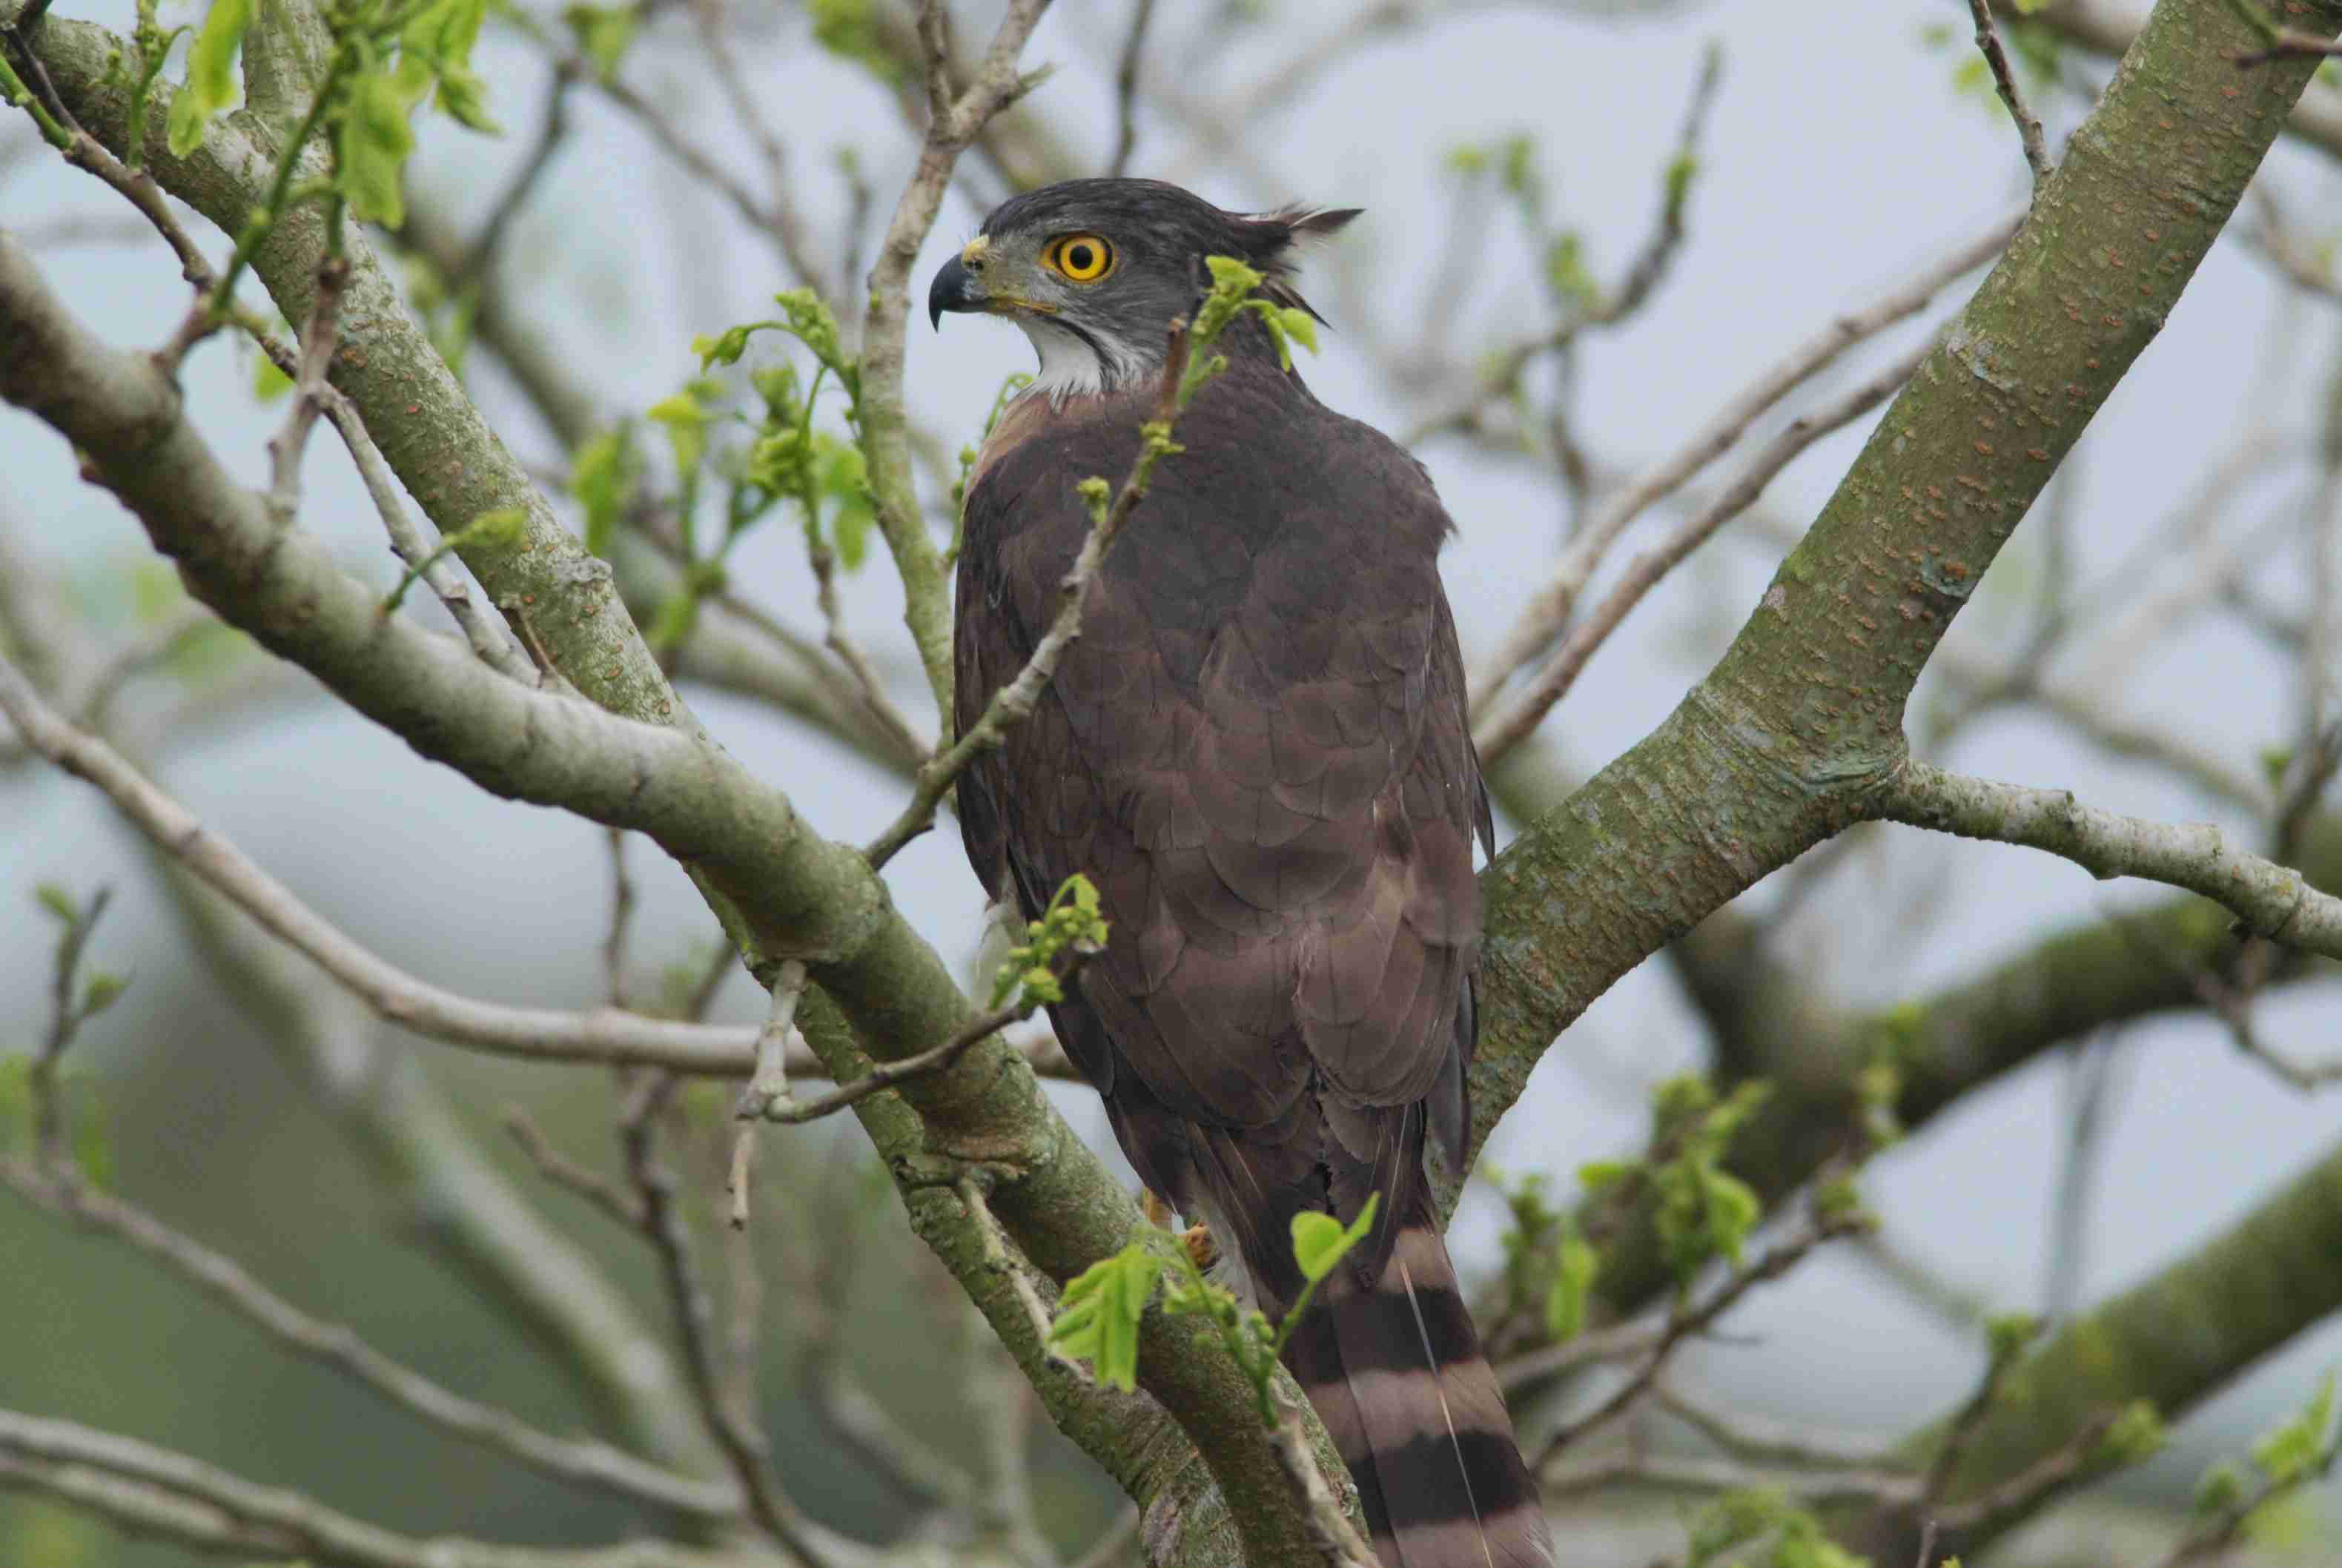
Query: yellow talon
point(1197, 1240)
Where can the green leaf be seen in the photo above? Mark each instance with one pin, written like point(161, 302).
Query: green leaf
point(1299, 326)
point(1231, 275)
point(211, 75)
point(503, 528)
point(93, 1147)
point(1320, 1242)
point(104, 989)
point(2222, 1488)
point(601, 477)
point(2137, 1434)
point(678, 614)
point(2008, 1333)
point(52, 897)
point(603, 33)
point(465, 95)
point(842, 472)
point(725, 349)
point(268, 382)
point(1097, 1316)
point(686, 428)
point(1733, 1209)
point(1576, 1265)
point(376, 140)
point(2290, 1452)
point(1597, 1176)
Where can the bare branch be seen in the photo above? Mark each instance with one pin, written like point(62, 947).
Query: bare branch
point(67, 1012)
point(161, 1491)
point(1125, 87)
point(1752, 1437)
point(1548, 610)
point(562, 1170)
point(769, 1085)
point(604, 1035)
point(2272, 901)
point(2021, 1493)
point(1685, 1320)
point(1503, 730)
point(581, 1461)
point(1628, 1464)
point(2028, 128)
point(781, 1107)
point(953, 124)
point(734, 1430)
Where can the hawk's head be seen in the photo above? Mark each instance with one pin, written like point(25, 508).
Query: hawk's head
point(1094, 271)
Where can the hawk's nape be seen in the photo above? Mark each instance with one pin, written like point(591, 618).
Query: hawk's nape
point(1258, 751)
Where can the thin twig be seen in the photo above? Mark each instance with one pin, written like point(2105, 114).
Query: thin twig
point(1014, 702)
point(1683, 1322)
point(552, 129)
point(1751, 1437)
point(1548, 610)
point(1616, 305)
point(160, 1491)
point(602, 1035)
point(1503, 730)
point(768, 1086)
point(1815, 1486)
point(736, 1432)
point(788, 224)
point(2023, 1492)
point(562, 1172)
point(582, 1460)
point(2029, 127)
point(622, 914)
point(886, 1074)
point(1125, 87)
point(953, 122)
point(67, 1015)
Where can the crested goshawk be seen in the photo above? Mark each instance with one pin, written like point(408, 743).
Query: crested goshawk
point(1257, 749)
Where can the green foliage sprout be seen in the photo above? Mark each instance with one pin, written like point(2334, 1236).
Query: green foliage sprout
point(1099, 1315)
point(1071, 924)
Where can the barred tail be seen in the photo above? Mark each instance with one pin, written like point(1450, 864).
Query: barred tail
point(1396, 1376)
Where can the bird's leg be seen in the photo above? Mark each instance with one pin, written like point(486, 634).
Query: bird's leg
point(1197, 1238)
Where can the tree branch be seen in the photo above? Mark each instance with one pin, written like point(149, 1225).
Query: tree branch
point(2275, 902)
point(2004, 80)
point(579, 1461)
point(160, 1491)
point(953, 124)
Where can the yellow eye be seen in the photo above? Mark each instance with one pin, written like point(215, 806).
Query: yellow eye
point(1079, 258)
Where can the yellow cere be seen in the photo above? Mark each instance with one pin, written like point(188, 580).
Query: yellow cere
point(972, 253)
point(1079, 258)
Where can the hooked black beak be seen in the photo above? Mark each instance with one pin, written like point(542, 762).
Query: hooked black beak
point(955, 289)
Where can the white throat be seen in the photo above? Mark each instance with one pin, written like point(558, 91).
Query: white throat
point(1069, 365)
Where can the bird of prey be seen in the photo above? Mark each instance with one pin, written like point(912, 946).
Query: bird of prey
point(1257, 749)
